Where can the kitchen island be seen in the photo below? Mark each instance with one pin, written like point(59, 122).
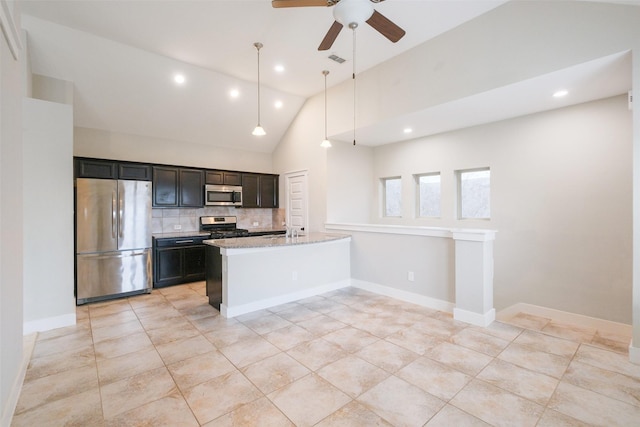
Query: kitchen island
point(253, 273)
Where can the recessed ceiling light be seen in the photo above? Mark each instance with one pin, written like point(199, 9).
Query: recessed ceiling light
point(560, 93)
point(179, 79)
point(278, 104)
point(408, 130)
point(279, 68)
point(234, 93)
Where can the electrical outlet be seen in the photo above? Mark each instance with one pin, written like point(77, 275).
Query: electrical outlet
point(410, 276)
point(256, 223)
point(294, 275)
point(177, 227)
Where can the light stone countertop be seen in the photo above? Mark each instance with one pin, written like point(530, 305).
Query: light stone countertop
point(275, 241)
point(185, 234)
point(265, 230)
point(180, 234)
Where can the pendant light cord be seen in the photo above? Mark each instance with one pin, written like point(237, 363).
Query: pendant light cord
point(325, 72)
point(354, 84)
point(258, 46)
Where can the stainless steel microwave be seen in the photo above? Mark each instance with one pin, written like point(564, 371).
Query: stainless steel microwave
point(222, 195)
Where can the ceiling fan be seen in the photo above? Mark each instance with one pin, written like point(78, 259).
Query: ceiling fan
point(350, 13)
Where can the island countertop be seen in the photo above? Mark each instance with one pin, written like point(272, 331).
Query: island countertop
point(272, 241)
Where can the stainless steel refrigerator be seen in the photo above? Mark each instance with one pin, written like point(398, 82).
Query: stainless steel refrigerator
point(113, 238)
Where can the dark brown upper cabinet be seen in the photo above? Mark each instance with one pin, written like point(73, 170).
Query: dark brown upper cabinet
point(111, 169)
point(259, 190)
point(177, 187)
point(95, 168)
point(222, 178)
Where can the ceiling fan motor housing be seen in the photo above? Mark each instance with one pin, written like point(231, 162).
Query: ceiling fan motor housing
point(349, 12)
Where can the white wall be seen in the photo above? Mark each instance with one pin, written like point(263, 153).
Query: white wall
point(11, 88)
point(119, 146)
point(385, 259)
point(50, 89)
point(561, 185)
point(634, 349)
point(350, 178)
point(281, 274)
point(300, 150)
point(48, 215)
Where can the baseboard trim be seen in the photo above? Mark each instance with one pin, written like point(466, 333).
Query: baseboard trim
point(48, 323)
point(422, 300)
point(239, 310)
point(564, 316)
point(477, 319)
point(28, 344)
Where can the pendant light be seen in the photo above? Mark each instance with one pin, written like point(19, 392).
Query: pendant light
point(325, 143)
point(258, 131)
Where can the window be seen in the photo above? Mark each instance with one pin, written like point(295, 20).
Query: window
point(392, 196)
point(474, 194)
point(428, 189)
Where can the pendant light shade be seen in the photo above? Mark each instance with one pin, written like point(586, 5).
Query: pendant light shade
point(258, 131)
point(325, 143)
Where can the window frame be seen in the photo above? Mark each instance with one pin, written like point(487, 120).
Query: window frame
point(458, 176)
point(417, 195)
point(383, 190)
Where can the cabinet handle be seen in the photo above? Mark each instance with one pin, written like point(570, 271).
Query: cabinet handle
point(184, 241)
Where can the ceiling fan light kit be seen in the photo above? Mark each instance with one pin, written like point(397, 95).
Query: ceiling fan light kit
point(349, 12)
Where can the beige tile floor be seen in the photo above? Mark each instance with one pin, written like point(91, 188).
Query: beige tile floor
point(345, 358)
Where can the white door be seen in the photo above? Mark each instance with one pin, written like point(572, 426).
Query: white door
point(296, 187)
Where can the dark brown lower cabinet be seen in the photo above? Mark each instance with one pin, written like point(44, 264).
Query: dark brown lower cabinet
point(178, 261)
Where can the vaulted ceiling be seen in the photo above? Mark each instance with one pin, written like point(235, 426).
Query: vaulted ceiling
point(122, 56)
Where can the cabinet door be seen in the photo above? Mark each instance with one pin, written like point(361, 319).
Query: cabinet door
point(214, 177)
point(165, 186)
point(89, 168)
point(191, 188)
point(268, 191)
point(223, 178)
point(134, 171)
point(232, 178)
point(169, 266)
point(194, 264)
point(250, 190)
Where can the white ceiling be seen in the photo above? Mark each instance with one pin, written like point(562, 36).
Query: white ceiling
point(125, 86)
point(592, 80)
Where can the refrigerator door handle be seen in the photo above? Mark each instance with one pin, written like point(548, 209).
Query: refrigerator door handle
point(113, 215)
point(114, 255)
point(120, 212)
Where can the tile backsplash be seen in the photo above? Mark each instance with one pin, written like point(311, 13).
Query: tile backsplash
point(165, 220)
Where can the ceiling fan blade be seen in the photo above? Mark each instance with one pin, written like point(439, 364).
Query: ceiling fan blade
point(385, 27)
point(298, 3)
point(331, 36)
